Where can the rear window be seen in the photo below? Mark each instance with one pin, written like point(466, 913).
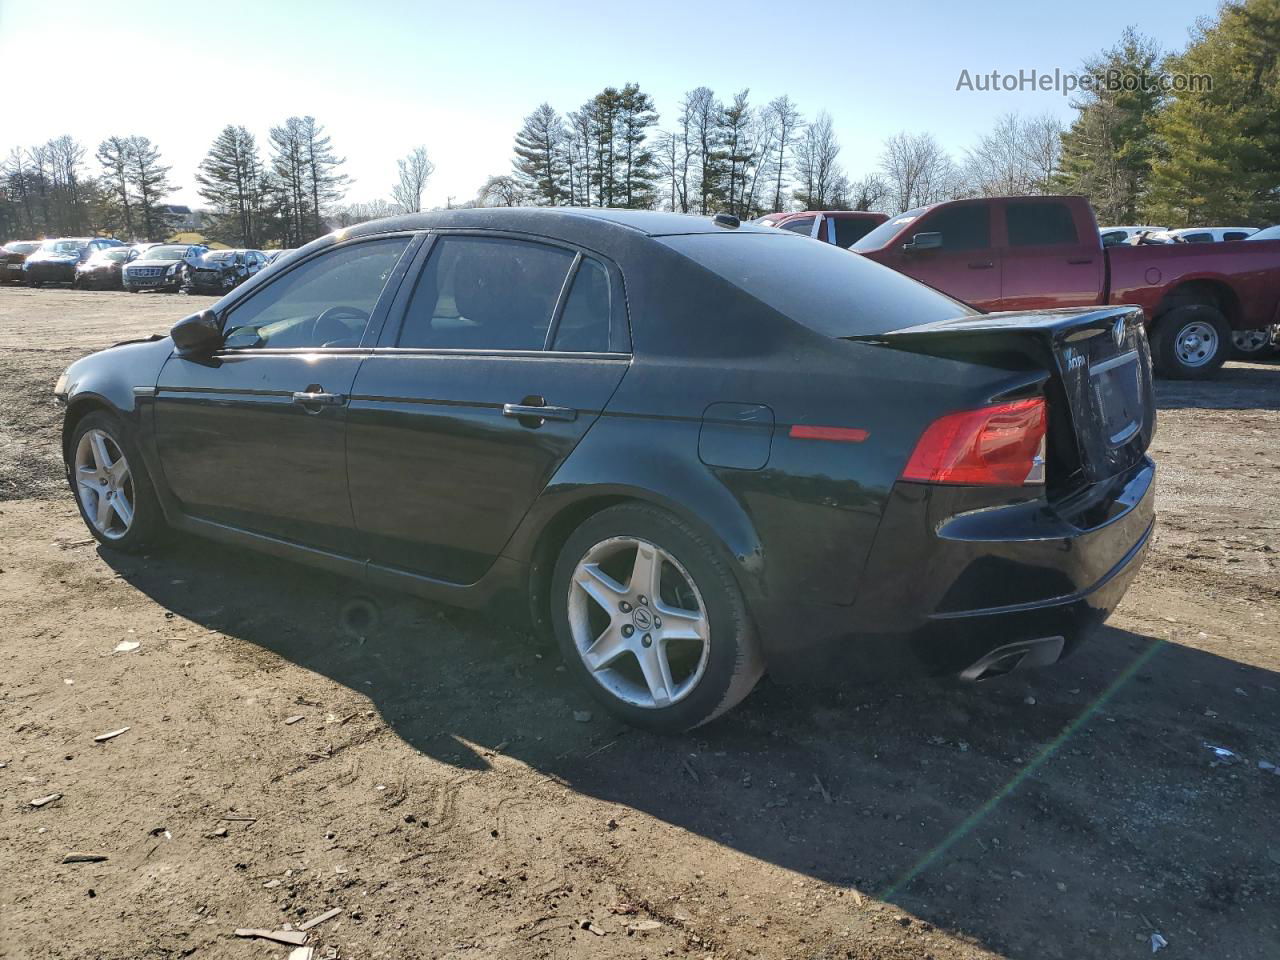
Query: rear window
point(1036, 223)
point(832, 291)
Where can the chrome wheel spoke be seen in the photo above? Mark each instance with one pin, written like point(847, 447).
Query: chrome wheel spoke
point(102, 513)
point(89, 478)
point(657, 673)
point(599, 586)
point(609, 646)
point(123, 508)
point(119, 473)
point(101, 458)
point(646, 573)
point(680, 624)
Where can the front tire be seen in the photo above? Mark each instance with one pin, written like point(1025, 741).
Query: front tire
point(110, 483)
point(1191, 342)
point(650, 618)
point(1251, 344)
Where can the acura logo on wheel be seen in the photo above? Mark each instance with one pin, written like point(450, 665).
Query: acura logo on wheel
point(643, 618)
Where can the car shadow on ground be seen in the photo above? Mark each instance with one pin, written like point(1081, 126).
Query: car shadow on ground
point(1237, 386)
point(1083, 802)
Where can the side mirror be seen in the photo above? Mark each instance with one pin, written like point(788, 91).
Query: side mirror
point(923, 241)
point(197, 335)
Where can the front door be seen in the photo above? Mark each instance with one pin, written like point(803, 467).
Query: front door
point(508, 351)
point(967, 264)
point(253, 437)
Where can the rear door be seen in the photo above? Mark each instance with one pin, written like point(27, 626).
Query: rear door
point(966, 266)
point(505, 352)
point(1050, 258)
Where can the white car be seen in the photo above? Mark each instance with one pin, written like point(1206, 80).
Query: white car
point(1206, 234)
point(1114, 235)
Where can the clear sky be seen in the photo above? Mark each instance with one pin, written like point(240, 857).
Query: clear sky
point(459, 77)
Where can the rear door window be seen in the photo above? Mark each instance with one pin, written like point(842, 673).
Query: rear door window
point(584, 321)
point(802, 225)
point(485, 293)
point(1040, 224)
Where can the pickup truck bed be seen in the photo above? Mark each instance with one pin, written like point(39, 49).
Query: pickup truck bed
point(1027, 253)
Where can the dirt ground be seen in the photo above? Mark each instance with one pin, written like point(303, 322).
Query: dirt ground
point(439, 790)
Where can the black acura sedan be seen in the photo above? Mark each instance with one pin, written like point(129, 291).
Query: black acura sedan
point(696, 449)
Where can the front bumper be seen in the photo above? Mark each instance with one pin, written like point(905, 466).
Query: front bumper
point(168, 282)
point(942, 591)
point(45, 272)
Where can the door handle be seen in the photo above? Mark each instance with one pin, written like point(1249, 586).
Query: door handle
point(981, 265)
point(1079, 260)
point(310, 398)
point(537, 412)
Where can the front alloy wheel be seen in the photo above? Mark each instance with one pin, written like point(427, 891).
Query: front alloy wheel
point(104, 484)
point(111, 485)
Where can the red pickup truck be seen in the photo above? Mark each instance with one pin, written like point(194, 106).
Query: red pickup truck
point(1021, 253)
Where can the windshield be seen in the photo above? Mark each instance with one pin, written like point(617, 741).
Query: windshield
point(1271, 233)
point(882, 234)
point(818, 284)
point(63, 246)
point(22, 246)
point(118, 254)
point(165, 253)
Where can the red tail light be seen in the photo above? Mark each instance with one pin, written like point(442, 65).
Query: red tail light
point(1001, 445)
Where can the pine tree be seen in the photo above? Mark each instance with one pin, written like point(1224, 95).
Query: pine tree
point(149, 178)
point(113, 155)
point(1223, 143)
point(229, 179)
point(636, 161)
point(1108, 152)
point(289, 181)
point(540, 162)
point(325, 185)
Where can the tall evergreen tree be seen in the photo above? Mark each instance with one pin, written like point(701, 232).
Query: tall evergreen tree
point(1108, 152)
point(1223, 144)
point(635, 160)
point(150, 181)
point(288, 183)
point(325, 184)
point(539, 164)
point(113, 155)
point(230, 180)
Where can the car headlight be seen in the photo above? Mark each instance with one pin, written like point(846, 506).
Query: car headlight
point(172, 270)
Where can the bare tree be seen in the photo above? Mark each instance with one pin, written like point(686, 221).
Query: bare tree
point(868, 193)
point(918, 171)
point(787, 122)
point(1018, 157)
point(353, 213)
point(500, 191)
point(821, 181)
point(415, 171)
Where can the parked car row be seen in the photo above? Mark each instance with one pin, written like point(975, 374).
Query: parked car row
point(104, 263)
point(1116, 235)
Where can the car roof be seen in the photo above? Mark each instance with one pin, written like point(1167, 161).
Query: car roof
point(562, 221)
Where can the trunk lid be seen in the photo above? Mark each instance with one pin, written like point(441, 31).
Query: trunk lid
point(1098, 381)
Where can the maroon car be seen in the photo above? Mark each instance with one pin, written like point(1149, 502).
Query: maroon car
point(841, 227)
point(12, 255)
point(1026, 253)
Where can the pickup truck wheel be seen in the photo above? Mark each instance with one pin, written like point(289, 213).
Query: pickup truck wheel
point(1251, 344)
point(1191, 342)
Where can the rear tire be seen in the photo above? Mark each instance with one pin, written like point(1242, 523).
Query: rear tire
point(1191, 342)
point(666, 676)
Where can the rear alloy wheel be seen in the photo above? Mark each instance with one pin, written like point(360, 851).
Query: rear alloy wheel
point(1191, 342)
point(1251, 344)
point(650, 618)
point(113, 492)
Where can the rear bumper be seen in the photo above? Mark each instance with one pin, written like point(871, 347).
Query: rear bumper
point(943, 592)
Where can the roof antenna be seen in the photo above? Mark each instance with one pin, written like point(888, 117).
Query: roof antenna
point(726, 220)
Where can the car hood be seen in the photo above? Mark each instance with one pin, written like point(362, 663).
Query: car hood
point(204, 264)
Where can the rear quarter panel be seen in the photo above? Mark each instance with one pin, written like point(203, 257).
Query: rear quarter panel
point(1144, 275)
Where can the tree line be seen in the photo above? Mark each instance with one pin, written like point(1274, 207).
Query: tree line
point(1140, 152)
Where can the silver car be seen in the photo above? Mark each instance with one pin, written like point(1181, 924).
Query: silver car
point(164, 266)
